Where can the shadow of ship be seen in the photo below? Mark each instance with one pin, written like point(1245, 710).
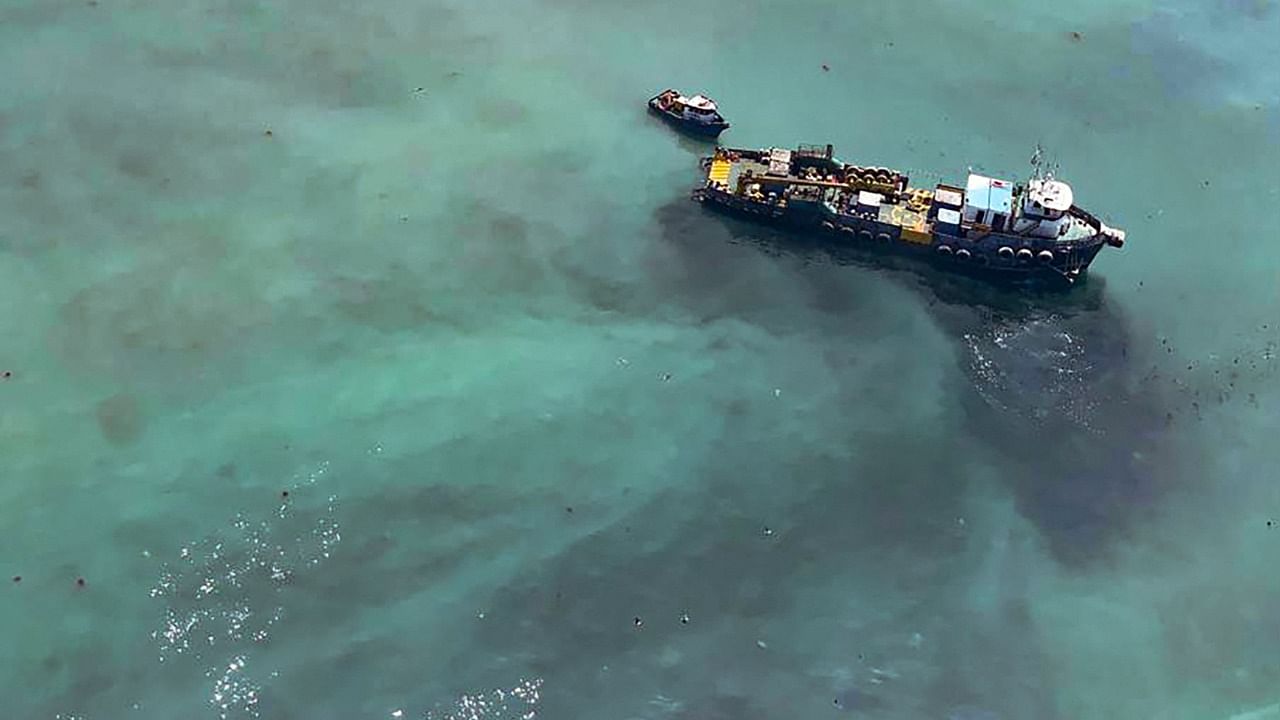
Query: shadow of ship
point(1049, 381)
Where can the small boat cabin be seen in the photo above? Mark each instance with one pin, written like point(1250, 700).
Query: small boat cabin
point(698, 108)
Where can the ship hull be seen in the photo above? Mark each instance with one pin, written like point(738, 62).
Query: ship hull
point(981, 258)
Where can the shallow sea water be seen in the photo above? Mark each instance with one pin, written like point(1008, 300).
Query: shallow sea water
point(369, 361)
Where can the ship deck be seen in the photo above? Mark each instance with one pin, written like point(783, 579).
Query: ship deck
point(910, 216)
point(729, 172)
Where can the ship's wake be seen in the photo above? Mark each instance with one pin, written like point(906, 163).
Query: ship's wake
point(1036, 370)
point(1056, 395)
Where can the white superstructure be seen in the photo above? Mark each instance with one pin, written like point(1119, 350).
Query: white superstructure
point(1044, 209)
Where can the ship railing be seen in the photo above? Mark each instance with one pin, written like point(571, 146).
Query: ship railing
point(753, 153)
point(1085, 215)
point(815, 151)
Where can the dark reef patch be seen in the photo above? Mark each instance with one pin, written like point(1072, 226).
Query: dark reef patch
point(120, 419)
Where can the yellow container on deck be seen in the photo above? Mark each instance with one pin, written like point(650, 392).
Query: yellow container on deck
point(916, 235)
point(719, 171)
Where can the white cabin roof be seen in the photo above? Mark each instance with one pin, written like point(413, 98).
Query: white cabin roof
point(699, 102)
point(984, 193)
point(947, 196)
point(1052, 194)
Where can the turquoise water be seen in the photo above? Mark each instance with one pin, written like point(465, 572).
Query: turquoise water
point(429, 269)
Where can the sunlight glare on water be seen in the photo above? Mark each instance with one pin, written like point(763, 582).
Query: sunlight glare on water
point(224, 593)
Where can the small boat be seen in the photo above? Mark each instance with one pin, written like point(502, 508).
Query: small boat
point(696, 115)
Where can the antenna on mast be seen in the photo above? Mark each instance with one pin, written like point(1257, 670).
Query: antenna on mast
point(1042, 168)
point(1037, 162)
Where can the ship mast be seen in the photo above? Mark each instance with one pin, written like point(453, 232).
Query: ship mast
point(1041, 169)
point(1037, 163)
